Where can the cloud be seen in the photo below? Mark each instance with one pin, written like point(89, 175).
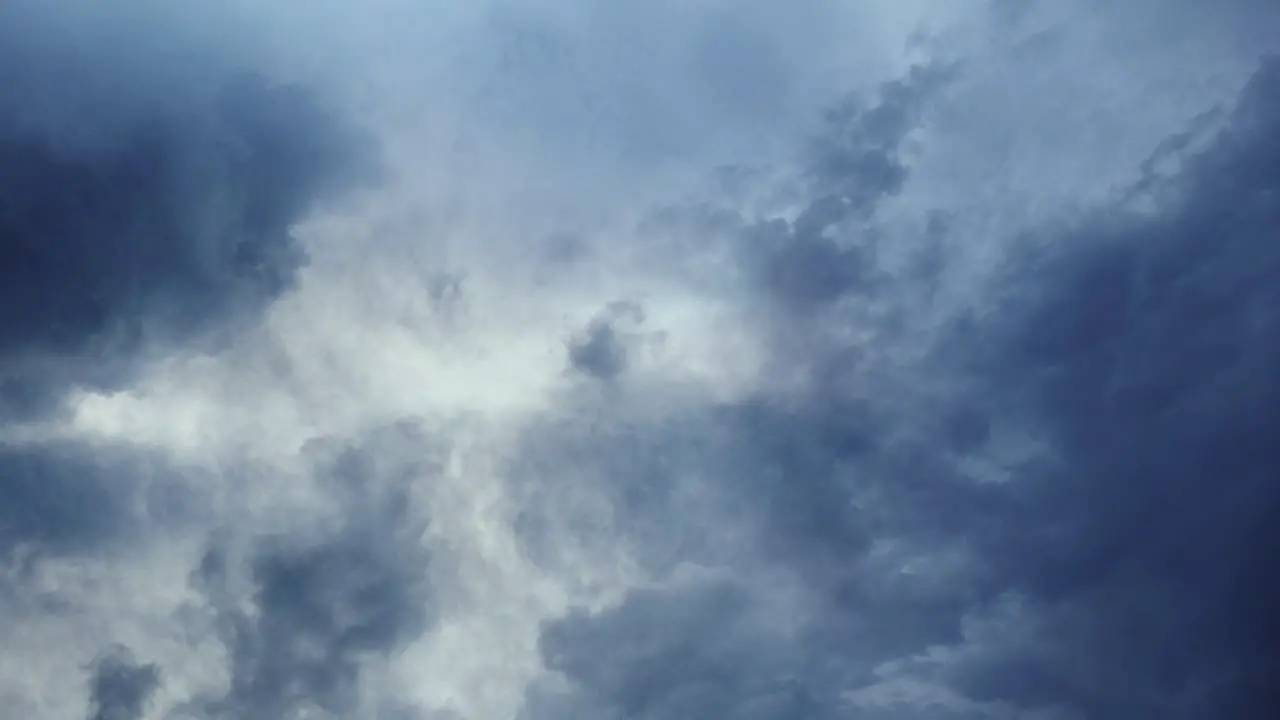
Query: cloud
point(327, 601)
point(812, 359)
point(646, 86)
point(86, 499)
point(1121, 571)
point(122, 688)
point(601, 349)
point(1144, 350)
point(150, 182)
point(696, 649)
point(148, 195)
point(856, 160)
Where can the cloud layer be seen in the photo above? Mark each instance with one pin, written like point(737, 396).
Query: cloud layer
point(639, 360)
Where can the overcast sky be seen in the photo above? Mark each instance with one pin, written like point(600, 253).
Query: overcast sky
point(639, 359)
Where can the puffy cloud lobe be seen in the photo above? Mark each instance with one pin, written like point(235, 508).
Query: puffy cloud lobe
point(858, 159)
point(121, 688)
point(139, 205)
point(599, 353)
point(600, 350)
point(324, 605)
point(854, 163)
point(301, 611)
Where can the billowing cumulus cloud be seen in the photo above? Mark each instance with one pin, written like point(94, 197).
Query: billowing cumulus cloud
point(533, 360)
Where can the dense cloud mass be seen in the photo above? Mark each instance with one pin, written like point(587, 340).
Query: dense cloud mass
point(141, 205)
point(146, 199)
point(1126, 573)
point(1149, 358)
point(639, 361)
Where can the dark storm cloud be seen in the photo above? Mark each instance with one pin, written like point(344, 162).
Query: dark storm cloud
point(1142, 347)
point(1149, 350)
point(146, 193)
point(121, 688)
point(325, 604)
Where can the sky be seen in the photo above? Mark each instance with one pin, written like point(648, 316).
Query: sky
point(623, 360)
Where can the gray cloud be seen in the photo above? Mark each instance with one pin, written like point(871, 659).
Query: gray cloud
point(146, 194)
point(121, 688)
point(601, 349)
point(324, 605)
point(1145, 352)
point(692, 651)
point(967, 414)
point(1136, 549)
point(856, 161)
point(53, 498)
point(148, 189)
point(72, 498)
